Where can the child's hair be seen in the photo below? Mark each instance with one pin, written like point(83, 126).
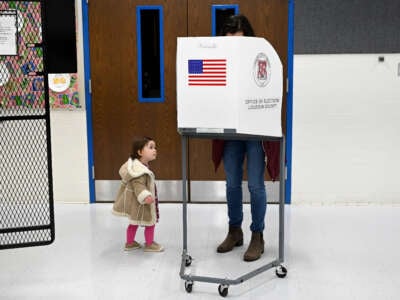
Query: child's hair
point(235, 24)
point(138, 144)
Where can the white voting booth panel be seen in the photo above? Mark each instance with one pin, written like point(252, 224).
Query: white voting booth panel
point(229, 84)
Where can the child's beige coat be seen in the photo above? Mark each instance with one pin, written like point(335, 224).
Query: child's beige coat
point(137, 183)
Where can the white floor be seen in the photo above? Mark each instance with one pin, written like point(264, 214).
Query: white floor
point(331, 252)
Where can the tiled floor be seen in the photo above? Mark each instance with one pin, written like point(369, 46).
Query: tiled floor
point(331, 252)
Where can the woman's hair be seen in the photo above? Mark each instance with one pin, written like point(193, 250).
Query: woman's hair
point(138, 144)
point(235, 24)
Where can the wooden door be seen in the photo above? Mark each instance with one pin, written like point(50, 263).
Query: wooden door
point(117, 113)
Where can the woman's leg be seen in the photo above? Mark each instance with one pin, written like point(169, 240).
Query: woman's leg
point(255, 174)
point(233, 158)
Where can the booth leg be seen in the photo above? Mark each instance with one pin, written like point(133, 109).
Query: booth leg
point(184, 191)
point(282, 178)
point(281, 271)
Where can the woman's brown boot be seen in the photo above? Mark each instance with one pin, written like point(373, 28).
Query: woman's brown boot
point(256, 247)
point(234, 238)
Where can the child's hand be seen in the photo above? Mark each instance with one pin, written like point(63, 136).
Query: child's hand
point(148, 200)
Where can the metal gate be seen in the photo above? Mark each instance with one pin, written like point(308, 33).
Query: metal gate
point(26, 188)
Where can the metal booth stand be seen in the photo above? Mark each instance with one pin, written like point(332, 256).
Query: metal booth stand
point(242, 77)
point(186, 261)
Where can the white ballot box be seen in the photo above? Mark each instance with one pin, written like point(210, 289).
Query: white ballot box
point(228, 84)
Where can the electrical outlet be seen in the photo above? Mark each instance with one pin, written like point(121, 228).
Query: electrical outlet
point(398, 69)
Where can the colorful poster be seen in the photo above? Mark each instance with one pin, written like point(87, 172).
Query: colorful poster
point(63, 91)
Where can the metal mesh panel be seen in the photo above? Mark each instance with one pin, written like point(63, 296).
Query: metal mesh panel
point(26, 196)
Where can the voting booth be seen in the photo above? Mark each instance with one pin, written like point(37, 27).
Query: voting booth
point(229, 87)
point(229, 84)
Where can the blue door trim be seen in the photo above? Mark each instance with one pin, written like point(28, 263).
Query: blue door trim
point(289, 104)
point(139, 9)
point(88, 100)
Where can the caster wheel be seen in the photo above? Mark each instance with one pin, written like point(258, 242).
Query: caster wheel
point(188, 286)
point(281, 271)
point(188, 261)
point(223, 290)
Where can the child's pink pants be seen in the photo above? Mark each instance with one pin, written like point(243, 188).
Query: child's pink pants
point(148, 233)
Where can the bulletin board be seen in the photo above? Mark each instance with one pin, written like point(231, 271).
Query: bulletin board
point(18, 89)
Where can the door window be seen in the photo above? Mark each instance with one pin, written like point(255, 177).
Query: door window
point(150, 48)
point(219, 14)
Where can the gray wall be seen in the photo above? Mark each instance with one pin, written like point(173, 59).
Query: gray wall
point(347, 26)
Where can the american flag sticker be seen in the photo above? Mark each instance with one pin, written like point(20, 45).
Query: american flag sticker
point(207, 72)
